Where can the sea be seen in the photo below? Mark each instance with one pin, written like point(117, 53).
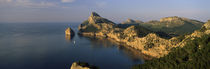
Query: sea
point(45, 46)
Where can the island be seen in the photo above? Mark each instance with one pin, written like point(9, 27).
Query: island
point(69, 33)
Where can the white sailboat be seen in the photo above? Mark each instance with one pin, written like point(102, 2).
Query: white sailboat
point(74, 42)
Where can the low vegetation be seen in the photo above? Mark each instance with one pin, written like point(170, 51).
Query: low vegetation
point(194, 55)
point(90, 28)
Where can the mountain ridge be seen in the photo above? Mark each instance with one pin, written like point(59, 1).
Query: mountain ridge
point(149, 42)
point(174, 25)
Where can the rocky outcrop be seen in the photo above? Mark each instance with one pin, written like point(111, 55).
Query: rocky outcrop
point(82, 65)
point(151, 43)
point(69, 33)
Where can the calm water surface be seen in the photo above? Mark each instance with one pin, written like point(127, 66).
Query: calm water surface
point(44, 46)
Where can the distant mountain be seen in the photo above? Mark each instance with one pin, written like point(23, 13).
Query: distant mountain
point(129, 22)
point(174, 25)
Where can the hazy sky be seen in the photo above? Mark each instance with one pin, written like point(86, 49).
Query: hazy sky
point(33, 11)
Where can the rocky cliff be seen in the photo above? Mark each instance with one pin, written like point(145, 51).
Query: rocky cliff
point(155, 44)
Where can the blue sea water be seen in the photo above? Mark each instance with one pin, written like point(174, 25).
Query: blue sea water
point(45, 46)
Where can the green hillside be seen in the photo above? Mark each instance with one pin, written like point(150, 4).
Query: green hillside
point(174, 25)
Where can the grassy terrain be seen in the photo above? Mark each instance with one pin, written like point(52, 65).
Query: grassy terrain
point(174, 27)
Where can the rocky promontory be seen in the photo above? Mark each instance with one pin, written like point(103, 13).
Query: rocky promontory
point(149, 42)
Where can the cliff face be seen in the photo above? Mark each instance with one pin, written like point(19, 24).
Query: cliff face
point(151, 43)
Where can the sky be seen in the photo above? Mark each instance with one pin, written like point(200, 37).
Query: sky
point(58, 11)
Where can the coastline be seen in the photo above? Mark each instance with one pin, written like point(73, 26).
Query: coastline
point(135, 45)
point(119, 44)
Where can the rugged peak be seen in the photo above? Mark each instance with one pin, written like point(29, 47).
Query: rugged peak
point(173, 18)
point(93, 17)
point(96, 23)
point(95, 14)
point(96, 18)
